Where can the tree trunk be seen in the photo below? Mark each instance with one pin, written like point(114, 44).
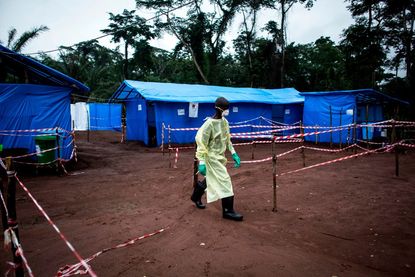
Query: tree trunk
point(126, 61)
point(199, 69)
point(282, 71)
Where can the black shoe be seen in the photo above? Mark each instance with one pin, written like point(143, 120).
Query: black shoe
point(228, 212)
point(198, 192)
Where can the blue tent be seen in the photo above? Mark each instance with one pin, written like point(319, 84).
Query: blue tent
point(104, 116)
point(150, 104)
point(43, 101)
point(342, 108)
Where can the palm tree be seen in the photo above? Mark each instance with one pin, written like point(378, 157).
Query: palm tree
point(17, 44)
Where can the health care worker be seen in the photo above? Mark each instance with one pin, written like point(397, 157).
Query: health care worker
point(212, 139)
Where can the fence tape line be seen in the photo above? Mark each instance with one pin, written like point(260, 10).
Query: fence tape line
point(70, 270)
point(76, 254)
point(337, 160)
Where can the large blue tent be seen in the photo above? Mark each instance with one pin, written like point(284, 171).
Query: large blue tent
point(149, 105)
point(336, 108)
point(34, 96)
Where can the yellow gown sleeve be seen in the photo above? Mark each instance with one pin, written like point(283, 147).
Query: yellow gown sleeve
point(228, 140)
point(202, 141)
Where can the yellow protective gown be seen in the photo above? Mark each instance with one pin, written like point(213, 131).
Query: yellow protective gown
point(212, 140)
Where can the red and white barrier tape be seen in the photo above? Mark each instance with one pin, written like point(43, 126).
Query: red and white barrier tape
point(74, 252)
point(70, 270)
point(19, 252)
point(255, 161)
point(407, 145)
point(329, 150)
point(337, 160)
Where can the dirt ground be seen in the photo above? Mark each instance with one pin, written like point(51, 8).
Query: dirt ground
point(353, 218)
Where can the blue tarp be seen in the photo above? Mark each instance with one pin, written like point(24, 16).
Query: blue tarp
point(168, 113)
point(28, 107)
point(346, 108)
point(104, 116)
point(317, 112)
point(170, 92)
point(150, 104)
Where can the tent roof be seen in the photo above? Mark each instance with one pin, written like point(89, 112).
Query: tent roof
point(170, 92)
point(35, 72)
point(362, 95)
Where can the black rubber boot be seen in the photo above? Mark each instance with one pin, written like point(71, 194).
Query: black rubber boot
point(198, 192)
point(228, 212)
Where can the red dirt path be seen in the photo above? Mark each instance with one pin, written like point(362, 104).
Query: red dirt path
point(352, 218)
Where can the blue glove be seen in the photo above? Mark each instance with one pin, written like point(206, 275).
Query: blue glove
point(236, 159)
point(202, 169)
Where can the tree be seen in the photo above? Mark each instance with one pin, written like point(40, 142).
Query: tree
point(17, 44)
point(284, 6)
point(128, 27)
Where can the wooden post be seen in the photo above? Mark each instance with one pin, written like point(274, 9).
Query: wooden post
point(354, 128)
point(331, 126)
point(89, 125)
point(169, 145)
point(253, 149)
point(348, 136)
point(302, 149)
point(274, 182)
point(12, 216)
point(162, 137)
point(367, 128)
point(58, 154)
point(340, 132)
point(396, 150)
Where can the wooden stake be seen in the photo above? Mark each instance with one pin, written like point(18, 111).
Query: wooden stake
point(169, 145)
point(274, 182)
point(253, 150)
point(396, 150)
point(331, 125)
point(58, 153)
point(367, 128)
point(12, 216)
point(302, 149)
point(162, 137)
point(340, 132)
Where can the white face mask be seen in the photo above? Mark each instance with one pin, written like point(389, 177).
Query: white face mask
point(225, 113)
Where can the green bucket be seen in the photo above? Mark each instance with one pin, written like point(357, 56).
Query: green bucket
point(45, 143)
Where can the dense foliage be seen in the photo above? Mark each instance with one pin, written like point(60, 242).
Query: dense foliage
point(377, 51)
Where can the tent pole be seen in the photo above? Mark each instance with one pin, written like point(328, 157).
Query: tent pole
point(316, 134)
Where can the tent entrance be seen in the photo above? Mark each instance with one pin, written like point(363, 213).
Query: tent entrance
point(151, 121)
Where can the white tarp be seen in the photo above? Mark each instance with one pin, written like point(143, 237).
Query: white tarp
point(79, 115)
